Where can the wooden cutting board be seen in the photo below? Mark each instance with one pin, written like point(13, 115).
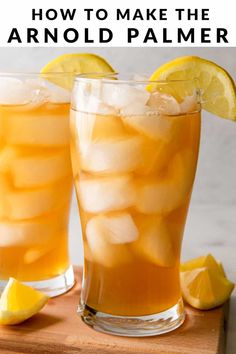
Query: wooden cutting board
point(58, 329)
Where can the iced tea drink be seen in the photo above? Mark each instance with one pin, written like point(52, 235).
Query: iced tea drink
point(35, 183)
point(134, 155)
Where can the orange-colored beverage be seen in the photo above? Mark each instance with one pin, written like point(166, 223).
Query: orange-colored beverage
point(35, 191)
point(133, 221)
point(134, 170)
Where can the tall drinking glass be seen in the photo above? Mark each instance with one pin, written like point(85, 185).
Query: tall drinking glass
point(35, 181)
point(134, 154)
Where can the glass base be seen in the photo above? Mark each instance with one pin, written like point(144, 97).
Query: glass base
point(52, 287)
point(140, 326)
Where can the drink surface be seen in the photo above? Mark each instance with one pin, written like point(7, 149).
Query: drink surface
point(35, 190)
point(133, 174)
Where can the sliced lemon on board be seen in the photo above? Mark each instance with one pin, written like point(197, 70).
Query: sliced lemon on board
point(204, 289)
point(203, 261)
point(217, 87)
point(19, 302)
point(74, 64)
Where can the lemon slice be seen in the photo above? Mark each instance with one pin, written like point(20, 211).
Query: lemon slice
point(74, 64)
point(19, 302)
point(204, 289)
point(217, 87)
point(203, 261)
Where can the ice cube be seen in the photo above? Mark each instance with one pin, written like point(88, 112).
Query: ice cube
point(108, 126)
point(39, 92)
point(14, 92)
point(170, 191)
point(105, 109)
point(112, 155)
point(117, 228)
point(44, 130)
point(5, 188)
point(36, 170)
point(88, 129)
point(164, 104)
point(154, 242)
point(122, 96)
point(137, 108)
point(23, 234)
point(104, 252)
point(92, 104)
point(87, 98)
point(33, 203)
point(34, 254)
point(189, 104)
point(106, 194)
point(41, 231)
point(92, 127)
point(58, 95)
point(7, 155)
point(153, 126)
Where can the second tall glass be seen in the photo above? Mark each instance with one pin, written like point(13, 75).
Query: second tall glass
point(134, 155)
point(35, 181)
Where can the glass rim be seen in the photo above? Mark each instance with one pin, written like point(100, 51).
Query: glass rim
point(92, 76)
point(106, 78)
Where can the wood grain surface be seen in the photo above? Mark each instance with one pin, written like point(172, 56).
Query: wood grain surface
point(58, 329)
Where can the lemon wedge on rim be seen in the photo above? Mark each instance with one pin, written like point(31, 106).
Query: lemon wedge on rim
point(19, 302)
point(218, 89)
point(74, 64)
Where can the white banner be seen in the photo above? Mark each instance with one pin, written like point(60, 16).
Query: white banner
point(85, 23)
